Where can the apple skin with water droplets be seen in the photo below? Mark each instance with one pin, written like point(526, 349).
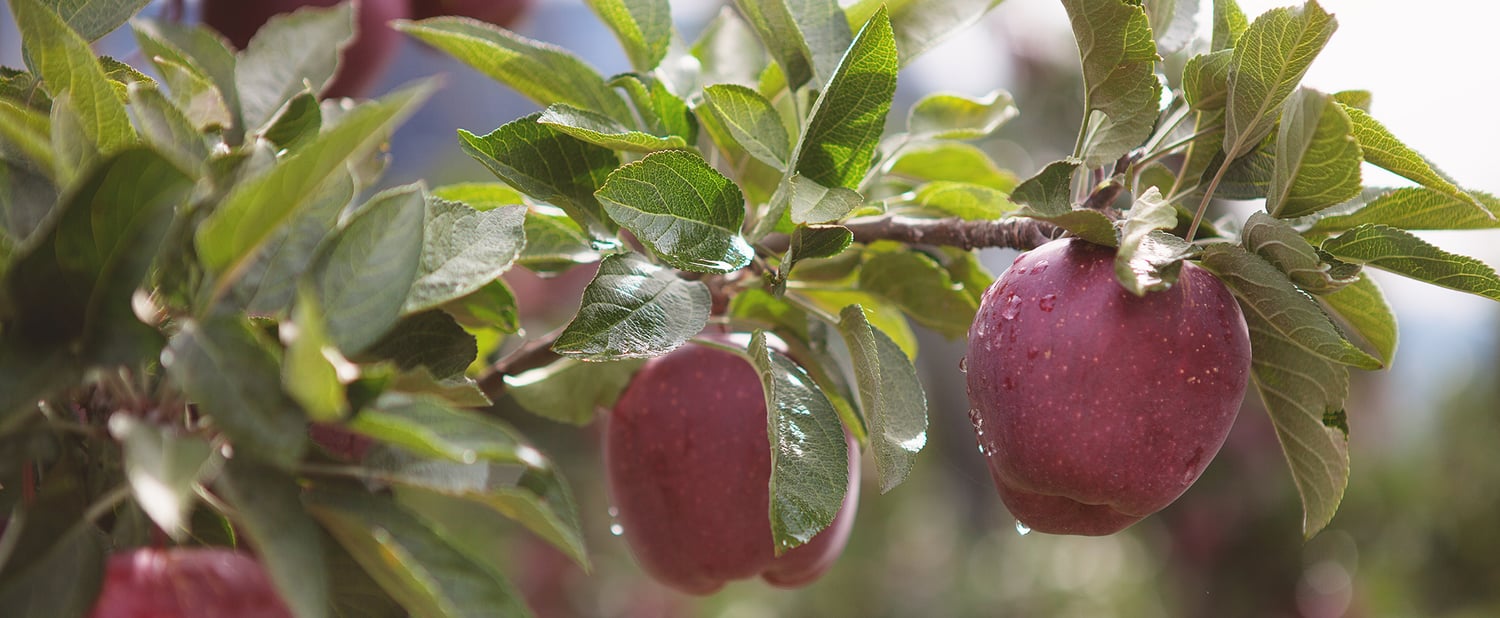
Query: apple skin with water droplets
point(187, 583)
point(1095, 407)
point(688, 463)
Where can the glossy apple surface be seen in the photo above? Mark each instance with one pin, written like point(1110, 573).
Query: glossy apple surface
point(689, 465)
point(1094, 407)
point(186, 583)
point(361, 63)
point(502, 13)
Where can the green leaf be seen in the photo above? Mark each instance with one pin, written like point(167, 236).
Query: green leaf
point(809, 456)
point(1119, 77)
point(166, 130)
point(1205, 80)
point(1304, 394)
point(363, 275)
point(1229, 25)
point(255, 209)
point(198, 98)
point(479, 195)
point(289, 54)
point(1270, 298)
point(161, 468)
point(728, 52)
point(634, 309)
point(1269, 61)
point(814, 203)
point(548, 165)
point(233, 376)
point(1401, 252)
point(570, 391)
point(66, 63)
point(542, 72)
point(1362, 305)
point(271, 276)
point(1278, 243)
point(953, 162)
point(1385, 151)
point(965, 201)
point(533, 494)
point(680, 207)
point(1358, 99)
point(1050, 191)
point(752, 121)
point(644, 28)
point(890, 395)
point(62, 579)
point(920, 286)
point(882, 314)
point(1148, 259)
point(287, 541)
point(1317, 159)
point(1417, 208)
point(297, 121)
point(805, 37)
point(313, 372)
point(27, 132)
point(72, 149)
point(93, 19)
point(555, 243)
point(471, 523)
point(424, 571)
point(1174, 22)
point(662, 112)
point(600, 130)
point(430, 339)
point(427, 427)
point(954, 116)
point(493, 305)
point(74, 282)
point(464, 250)
point(457, 391)
point(818, 241)
point(846, 121)
point(919, 25)
point(199, 69)
point(1047, 196)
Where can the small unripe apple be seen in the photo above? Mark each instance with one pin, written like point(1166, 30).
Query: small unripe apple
point(502, 13)
point(360, 63)
point(689, 467)
point(187, 583)
point(1095, 407)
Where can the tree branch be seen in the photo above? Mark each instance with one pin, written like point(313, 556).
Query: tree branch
point(531, 355)
point(1018, 233)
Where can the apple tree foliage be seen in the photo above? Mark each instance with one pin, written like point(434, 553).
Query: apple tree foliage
point(194, 265)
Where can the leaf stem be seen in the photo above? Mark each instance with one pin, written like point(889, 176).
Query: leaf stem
point(1207, 195)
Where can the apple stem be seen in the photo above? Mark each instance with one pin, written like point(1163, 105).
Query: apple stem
point(1208, 194)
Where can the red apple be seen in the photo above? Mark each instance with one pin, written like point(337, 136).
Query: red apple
point(689, 465)
point(502, 13)
point(1095, 407)
point(187, 583)
point(360, 64)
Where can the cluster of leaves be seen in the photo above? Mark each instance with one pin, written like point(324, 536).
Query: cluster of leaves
point(190, 276)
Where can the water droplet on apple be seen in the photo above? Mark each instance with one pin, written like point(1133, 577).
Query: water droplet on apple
point(1190, 471)
point(963, 364)
point(614, 512)
point(469, 456)
point(1022, 529)
point(1040, 268)
point(1012, 307)
point(1047, 302)
point(616, 529)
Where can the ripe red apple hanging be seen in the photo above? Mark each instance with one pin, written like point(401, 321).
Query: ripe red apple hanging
point(1094, 407)
point(689, 463)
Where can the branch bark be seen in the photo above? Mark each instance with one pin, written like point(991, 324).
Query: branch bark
point(1018, 233)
